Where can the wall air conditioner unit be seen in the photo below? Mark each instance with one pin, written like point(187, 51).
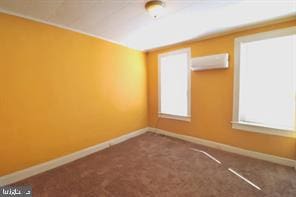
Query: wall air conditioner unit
point(219, 61)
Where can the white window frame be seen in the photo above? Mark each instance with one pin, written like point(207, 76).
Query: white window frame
point(171, 116)
point(236, 123)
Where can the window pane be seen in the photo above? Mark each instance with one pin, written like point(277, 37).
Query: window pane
point(268, 82)
point(174, 84)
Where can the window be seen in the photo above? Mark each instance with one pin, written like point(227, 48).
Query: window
point(265, 82)
point(174, 85)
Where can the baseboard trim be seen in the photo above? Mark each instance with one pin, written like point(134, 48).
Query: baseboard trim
point(43, 167)
point(37, 169)
point(228, 148)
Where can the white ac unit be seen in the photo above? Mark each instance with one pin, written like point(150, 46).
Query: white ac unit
point(219, 61)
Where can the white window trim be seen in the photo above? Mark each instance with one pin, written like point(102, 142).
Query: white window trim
point(236, 124)
point(171, 116)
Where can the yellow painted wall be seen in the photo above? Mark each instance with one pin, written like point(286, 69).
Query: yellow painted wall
point(62, 91)
point(211, 100)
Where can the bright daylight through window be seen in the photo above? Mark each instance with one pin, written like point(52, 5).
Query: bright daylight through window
point(174, 82)
point(265, 82)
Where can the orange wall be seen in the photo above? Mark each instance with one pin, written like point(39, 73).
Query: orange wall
point(211, 100)
point(62, 91)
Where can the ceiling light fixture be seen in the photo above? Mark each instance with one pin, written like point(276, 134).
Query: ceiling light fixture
point(155, 7)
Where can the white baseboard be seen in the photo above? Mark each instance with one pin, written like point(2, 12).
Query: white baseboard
point(228, 148)
point(37, 169)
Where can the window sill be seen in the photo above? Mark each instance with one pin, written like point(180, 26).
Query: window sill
point(263, 129)
point(175, 117)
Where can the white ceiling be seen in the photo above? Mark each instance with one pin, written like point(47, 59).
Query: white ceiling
point(126, 21)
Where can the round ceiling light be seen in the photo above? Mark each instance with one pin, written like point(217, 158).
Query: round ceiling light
point(154, 7)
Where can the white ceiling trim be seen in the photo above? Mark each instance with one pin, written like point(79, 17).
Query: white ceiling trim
point(64, 27)
point(213, 34)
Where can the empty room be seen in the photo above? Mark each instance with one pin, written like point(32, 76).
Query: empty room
point(148, 98)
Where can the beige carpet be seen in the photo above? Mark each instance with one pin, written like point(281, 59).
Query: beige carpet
point(155, 165)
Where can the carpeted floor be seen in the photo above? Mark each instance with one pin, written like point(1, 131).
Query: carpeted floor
point(155, 165)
